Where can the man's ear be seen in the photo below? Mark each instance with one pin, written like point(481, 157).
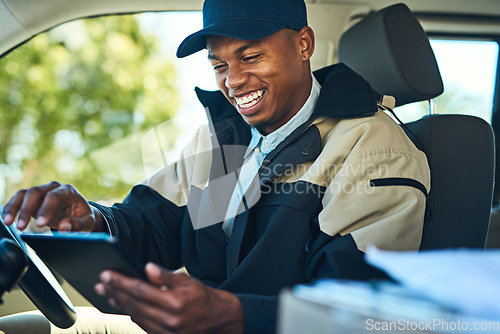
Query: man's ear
point(307, 42)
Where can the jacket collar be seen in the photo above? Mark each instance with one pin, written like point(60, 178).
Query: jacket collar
point(344, 94)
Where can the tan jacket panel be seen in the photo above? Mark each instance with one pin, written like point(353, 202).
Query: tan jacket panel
point(390, 217)
point(192, 169)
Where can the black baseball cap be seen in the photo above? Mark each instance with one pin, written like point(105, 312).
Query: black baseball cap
point(244, 19)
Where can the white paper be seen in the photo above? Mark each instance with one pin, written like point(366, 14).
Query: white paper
point(463, 279)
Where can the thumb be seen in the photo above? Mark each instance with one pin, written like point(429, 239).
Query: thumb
point(76, 224)
point(162, 277)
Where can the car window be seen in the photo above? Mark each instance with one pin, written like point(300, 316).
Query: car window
point(81, 100)
point(468, 69)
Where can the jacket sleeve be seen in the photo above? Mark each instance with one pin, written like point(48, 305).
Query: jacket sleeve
point(140, 223)
point(149, 220)
point(260, 313)
point(376, 196)
point(378, 191)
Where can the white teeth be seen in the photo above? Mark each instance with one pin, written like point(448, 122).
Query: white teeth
point(248, 105)
point(249, 100)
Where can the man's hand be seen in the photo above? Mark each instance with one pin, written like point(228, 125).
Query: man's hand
point(54, 205)
point(172, 303)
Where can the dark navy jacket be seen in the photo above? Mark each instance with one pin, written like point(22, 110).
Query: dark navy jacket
point(302, 226)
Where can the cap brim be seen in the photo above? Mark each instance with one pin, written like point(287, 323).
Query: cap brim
point(238, 29)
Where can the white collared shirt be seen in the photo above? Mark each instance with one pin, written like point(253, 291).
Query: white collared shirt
point(259, 147)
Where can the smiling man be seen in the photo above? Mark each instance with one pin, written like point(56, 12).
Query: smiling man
point(305, 170)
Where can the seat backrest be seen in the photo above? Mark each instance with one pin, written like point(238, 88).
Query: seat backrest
point(390, 49)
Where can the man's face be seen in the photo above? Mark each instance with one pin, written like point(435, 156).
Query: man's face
point(267, 80)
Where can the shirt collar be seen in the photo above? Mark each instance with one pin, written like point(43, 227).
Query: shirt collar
point(268, 143)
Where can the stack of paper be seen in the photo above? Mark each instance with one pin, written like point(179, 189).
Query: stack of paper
point(465, 280)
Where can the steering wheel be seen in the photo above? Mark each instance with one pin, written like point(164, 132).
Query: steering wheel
point(39, 284)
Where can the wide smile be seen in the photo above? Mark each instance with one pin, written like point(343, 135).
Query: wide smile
point(249, 100)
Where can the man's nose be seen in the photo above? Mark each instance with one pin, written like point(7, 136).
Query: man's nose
point(236, 77)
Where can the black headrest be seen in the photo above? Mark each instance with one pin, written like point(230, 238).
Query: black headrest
point(391, 51)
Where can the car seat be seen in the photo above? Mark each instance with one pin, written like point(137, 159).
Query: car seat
point(390, 49)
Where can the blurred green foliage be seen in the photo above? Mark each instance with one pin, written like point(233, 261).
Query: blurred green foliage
point(75, 103)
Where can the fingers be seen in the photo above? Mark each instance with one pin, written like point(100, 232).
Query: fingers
point(26, 203)
point(186, 305)
point(152, 294)
point(74, 224)
point(150, 317)
point(54, 201)
point(151, 307)
point(65, 210)
point(51, 202)
point(54, 205)
point(12, 207)
point(163, 277)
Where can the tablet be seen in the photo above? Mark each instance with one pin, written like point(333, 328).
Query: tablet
point(80, 258)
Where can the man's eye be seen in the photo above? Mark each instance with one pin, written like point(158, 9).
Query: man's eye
point(250, 58)
point(218, 68)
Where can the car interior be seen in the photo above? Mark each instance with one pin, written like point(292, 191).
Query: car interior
point(393, 45)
